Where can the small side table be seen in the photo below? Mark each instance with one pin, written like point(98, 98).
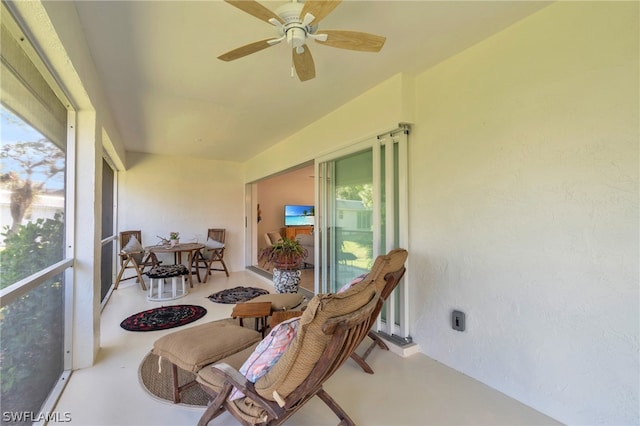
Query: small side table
point(259, 310)
point(157, 275)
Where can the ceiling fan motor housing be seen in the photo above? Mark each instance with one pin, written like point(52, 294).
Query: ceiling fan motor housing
point(296, 37)
point(293, 26)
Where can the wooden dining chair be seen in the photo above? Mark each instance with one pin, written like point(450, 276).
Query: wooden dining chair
point(133, 256)
point(213, 252)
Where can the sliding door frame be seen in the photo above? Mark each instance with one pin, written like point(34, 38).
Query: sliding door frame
point(325, 204)
point(395, 223)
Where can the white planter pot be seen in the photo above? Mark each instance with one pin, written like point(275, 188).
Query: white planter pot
point(285, 281)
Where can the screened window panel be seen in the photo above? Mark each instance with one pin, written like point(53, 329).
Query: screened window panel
point(32, 182)
point(108, 230)
point(32, 347)
point(26, 92)
point(33, 198)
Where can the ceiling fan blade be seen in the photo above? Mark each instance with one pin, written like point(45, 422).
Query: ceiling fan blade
point(353, 40)
point(319, 8)
point(303, 62)
point(256, 9)
point(245, 50)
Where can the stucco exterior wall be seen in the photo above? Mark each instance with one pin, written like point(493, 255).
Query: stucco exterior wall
point(524, 212)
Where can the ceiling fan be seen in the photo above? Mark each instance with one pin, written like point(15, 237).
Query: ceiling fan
point(296, 23)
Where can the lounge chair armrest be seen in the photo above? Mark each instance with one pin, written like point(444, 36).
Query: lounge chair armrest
point(231, 374)
point(235, 378)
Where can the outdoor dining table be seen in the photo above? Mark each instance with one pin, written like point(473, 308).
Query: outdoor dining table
point(192, 250)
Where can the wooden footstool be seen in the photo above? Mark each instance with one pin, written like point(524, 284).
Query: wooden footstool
point(196, 347)
point(280, 301)
point(275, 302)
point(260, 311)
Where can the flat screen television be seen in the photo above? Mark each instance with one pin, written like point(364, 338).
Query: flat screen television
point(298, 215)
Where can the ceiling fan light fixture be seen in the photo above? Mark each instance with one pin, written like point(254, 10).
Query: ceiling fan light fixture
point(296, 37)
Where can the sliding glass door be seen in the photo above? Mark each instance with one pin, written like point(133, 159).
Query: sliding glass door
point(362, 213)
point(348, 212)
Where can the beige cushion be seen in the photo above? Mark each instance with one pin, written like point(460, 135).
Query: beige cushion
point(274, 237)
point(280, 301)
point(193, 348)
point(248, 410)
point(214, 381)
point(207, 377)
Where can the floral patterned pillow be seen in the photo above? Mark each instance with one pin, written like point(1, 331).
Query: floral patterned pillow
point(268, 352)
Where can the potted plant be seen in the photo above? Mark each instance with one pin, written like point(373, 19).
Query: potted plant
point(286, 257)
point(174, 238)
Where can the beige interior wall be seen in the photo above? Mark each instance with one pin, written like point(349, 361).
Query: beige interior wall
point(274, 192)
point(160, 194)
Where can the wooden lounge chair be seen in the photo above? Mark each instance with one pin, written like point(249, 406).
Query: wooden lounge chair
point(323, 343)
point(331, 328)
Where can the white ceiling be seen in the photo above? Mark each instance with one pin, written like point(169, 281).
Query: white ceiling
point(171, 95)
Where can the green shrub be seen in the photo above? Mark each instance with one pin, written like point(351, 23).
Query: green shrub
point(32, 327)
point(32, 248)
